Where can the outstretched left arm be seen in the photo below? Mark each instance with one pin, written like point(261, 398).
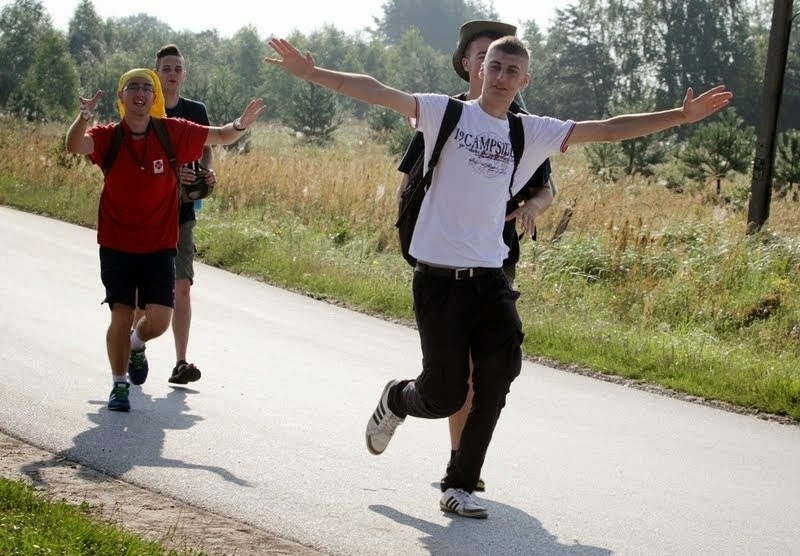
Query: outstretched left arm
point(229, 133)
point(629, 126)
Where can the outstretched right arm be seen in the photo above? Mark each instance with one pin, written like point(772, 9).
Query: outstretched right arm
point(78, 142)
point(355, 85)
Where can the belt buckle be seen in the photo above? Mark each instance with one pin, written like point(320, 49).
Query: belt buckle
point(463, 273)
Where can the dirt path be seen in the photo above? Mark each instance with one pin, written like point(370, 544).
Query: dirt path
point(152, 516)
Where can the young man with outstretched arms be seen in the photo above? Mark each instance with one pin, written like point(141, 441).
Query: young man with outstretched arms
point(462, 301)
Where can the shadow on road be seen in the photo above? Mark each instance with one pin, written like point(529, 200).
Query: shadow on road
point(123, 441)
point(507, 531)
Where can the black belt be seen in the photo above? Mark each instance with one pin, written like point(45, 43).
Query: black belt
point(454, 273)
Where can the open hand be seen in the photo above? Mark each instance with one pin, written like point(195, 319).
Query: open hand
point(695, 109)
point(254, 109)
point(299, 65)
point(88, 105)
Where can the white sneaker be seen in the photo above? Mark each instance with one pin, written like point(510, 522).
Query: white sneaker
point(382, 423)
point(461, 502)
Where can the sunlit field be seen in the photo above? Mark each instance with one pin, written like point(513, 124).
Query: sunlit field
point(646, 282)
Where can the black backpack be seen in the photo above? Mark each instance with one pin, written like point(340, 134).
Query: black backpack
point(418, 184)
point(163, 137)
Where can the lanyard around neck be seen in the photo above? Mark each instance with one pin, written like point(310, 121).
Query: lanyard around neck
point(128, 140)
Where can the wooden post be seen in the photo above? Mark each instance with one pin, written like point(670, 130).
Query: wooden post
point(761, 185)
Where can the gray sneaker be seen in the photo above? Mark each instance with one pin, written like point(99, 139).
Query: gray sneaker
point(461, 502)
point(382, 423)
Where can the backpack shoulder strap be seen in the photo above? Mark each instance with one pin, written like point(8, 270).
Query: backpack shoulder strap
point(517, 136)
point(113, 149)
point(451, 116)
point(163, 137)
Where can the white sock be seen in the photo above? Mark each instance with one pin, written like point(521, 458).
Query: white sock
point(122, 378)
point(136, 343)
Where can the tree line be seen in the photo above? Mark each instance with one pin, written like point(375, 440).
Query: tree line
point(597, 58)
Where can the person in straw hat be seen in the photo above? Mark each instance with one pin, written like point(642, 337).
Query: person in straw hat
point(137, 222)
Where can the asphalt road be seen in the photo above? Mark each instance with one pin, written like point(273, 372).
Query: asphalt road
point(273, 434)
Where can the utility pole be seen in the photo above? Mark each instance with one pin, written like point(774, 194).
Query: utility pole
point(761, 185)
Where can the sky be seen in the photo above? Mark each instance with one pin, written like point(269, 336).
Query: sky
point(228, 16)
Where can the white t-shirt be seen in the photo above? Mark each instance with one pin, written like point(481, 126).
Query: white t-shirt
point(461, 220)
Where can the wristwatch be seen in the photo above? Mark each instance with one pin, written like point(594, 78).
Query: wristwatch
point(236, 125)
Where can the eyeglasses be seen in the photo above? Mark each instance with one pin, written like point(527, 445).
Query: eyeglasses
point(137, 87)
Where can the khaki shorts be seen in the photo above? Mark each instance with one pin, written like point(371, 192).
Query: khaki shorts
point(184, 260)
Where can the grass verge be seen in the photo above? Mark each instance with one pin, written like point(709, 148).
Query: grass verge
point(32, 524)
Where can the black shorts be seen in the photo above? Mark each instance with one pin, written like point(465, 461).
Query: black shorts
point(133, 277)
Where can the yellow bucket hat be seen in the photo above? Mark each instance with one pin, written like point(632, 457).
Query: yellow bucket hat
point(157, 110)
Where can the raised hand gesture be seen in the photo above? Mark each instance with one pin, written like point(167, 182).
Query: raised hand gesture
point(89, 105)
point(695, 109)
point(299, 65)
point(254, 109)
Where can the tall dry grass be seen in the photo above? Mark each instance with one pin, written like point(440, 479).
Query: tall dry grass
point(355, 181)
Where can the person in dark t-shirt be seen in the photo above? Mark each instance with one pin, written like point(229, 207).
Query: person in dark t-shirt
point(171, 70)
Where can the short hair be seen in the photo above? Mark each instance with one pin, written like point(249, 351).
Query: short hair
point(493, 35)
point(167, 50)
point(511, 45)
